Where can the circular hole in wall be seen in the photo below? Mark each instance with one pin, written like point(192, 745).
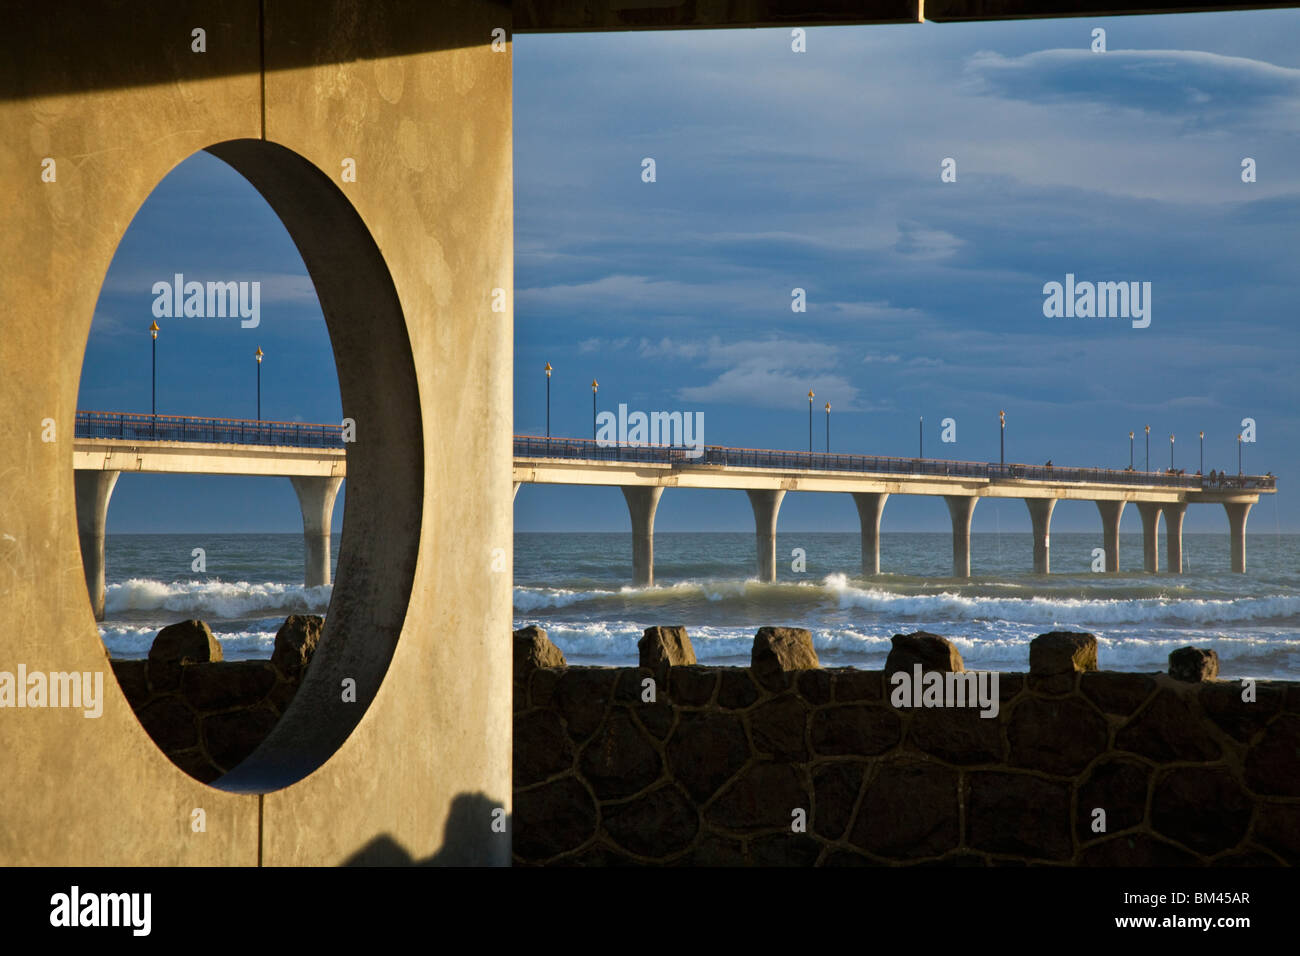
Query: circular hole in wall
point(211, 288)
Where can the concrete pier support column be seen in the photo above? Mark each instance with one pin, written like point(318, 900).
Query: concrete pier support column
point(1040, 513)
point(870, 505)
point(1237, 512)
point(766, 504)
point(316, 499)
point(93, 489)
point(1110, 515)
point(1174, 536)
point(1150, 512)
point(961, 508)
point(642, 501)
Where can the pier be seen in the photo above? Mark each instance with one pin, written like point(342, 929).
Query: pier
point(314, 458)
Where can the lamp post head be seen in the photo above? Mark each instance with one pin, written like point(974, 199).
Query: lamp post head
point(259, 355)
point(828, 408)
point(594, 385)
point(1202, 435)
point(810, 396)
point(548, 369)
point(1130, 436)
point(1171, 439)
point(153, 329)
point(1002, 418)
point(1148, 429)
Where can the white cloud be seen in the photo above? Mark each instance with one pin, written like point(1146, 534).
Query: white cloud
point(918, 242)
point(877, 311)
point(764, 373)
point(667, 348)
point(763, 387)
point(650, 294)
point(588, 346)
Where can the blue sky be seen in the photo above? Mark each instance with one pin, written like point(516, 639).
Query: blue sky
point(820, 170)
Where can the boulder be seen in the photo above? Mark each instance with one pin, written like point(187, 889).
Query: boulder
point(1194, 664)
point(295, 643)
point(931, 651)
point(185, 642)
point(533, 650)
point(1062, 652)
point(778, 651)
point(664, 647)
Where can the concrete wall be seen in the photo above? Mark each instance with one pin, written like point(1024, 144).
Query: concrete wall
point(405, 261)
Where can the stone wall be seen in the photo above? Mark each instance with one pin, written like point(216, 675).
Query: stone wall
point(786, 763)
point(207, 714)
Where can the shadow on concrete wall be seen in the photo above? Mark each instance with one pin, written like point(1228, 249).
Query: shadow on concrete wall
point(467, 839)
point(142, 43)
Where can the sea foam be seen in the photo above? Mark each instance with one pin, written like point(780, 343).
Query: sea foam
point(230, 600)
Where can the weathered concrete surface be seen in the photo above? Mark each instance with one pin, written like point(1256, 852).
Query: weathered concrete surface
point(89, 791)
point(688, 474)
point(1150, 513)
point(946, 11)
point(93, 491)
point(404, 261)
point(201, 458)
point(1111, 512)
point(766, 505)
point(1040, 515)
point(1237, 514)
point(542, 16)
point(870, 508)
point(642, 502)
point(316, 501)
point(961, 509)
point(1174, 514)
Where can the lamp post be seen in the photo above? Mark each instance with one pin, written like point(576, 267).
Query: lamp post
point(810, 398)
point(1171, 452)
point(828, 428)
point(153, 387)
point(1130, 451)
point(1002, 437)
point(1239, 471)
point(594, 386)
point(1148, 464)
point(1202, 470)
point(259, 383)
point(920, 438)
point(548, 399)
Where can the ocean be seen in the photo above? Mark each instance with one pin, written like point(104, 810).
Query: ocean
point(576, 586)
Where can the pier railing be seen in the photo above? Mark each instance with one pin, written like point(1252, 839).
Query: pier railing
point(586, 449)
point(223, 431)
point(131, 426)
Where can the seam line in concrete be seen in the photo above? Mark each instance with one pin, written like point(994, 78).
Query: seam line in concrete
point(261, 69)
